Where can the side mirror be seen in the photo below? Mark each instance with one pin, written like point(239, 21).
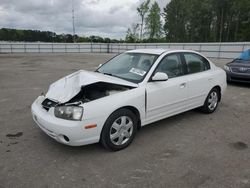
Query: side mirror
point(160, 76)
point(99, 65)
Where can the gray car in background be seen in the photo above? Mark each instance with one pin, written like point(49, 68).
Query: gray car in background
point(239, 69)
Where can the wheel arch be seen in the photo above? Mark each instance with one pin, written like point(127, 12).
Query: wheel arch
point(219, 89)
point(135, 111)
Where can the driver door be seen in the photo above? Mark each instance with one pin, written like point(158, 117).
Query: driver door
point(166, 98)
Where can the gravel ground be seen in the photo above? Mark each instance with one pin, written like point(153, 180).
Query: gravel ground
point(187, 150)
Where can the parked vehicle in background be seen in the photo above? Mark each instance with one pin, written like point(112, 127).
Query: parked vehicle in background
point(131, 90)
point(239, 69)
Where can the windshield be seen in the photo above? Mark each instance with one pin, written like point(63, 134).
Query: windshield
point(244, 57)
point(132, 67)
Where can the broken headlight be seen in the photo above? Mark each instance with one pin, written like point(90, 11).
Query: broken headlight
point(69, 112)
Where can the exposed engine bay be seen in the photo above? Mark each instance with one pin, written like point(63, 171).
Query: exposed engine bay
point(97, 90)
point(89, 93)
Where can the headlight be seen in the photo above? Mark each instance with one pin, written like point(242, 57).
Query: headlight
point(69, 112)
point(227, 68)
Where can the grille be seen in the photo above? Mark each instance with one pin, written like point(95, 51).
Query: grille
point(47, 104)
point(240, 69)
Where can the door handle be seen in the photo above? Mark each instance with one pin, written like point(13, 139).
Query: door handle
point(182, 85)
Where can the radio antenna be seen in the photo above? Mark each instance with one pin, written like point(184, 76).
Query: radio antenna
point(73, 21)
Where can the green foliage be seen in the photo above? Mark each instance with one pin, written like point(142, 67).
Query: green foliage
point(184, 21)
point(46, 36)
point(207, 20)
point(132, 33)
point(153, 22)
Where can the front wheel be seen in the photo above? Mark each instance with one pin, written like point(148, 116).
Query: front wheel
point(119, 130)
point(211, 102)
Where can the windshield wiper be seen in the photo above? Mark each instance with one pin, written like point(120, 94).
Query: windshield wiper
point(109, 74)
point(106, 73)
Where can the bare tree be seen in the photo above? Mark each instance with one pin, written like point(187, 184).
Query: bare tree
point(142, 11)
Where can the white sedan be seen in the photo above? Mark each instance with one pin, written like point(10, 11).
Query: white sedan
point(131, 90)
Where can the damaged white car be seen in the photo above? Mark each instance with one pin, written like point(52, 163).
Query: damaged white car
point(131, 90)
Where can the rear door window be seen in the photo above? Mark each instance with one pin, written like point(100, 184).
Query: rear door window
point(196, 63)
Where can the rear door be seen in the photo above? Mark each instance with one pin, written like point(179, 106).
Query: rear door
point(199, 79)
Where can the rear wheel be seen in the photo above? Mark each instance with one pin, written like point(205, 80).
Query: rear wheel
point(211, 102)
point(119, 130)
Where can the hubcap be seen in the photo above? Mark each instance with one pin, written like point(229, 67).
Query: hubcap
point(121, 130)
point(213, 100)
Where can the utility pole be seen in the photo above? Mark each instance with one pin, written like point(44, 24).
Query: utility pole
point(73, 21)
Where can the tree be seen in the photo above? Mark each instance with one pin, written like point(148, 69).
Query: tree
point(46, 36)
point(142, 11)
point(207, 20)
point(153, 22)
point(132, 33)
point(175, 15)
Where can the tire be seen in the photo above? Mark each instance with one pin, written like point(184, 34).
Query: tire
point(119, 130)
point(211, 102)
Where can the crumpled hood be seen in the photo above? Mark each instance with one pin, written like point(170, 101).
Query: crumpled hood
point(66, 88)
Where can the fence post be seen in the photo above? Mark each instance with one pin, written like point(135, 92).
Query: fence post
point(10, 48)
point(219, 51)
point(200, 48)
point(243, 46)
point(108, 47)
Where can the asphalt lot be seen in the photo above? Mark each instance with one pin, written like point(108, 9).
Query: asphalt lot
point(187, 150)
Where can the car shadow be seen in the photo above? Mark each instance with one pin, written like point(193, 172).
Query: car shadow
point(169, 122)
point(239, 84)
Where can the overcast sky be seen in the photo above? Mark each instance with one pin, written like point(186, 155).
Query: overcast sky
point(106, 18)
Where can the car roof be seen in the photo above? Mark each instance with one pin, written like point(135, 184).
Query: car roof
point(156, 51)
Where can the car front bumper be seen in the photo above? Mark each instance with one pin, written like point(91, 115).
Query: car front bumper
point(68, 132)
point(238, 77)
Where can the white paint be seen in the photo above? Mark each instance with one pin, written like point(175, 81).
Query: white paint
point(164, 99)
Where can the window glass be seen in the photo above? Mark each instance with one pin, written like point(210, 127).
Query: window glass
point(132, 67)
point(171, 65)
point(196, 63)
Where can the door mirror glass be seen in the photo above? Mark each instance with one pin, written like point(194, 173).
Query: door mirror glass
point(160, 76)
